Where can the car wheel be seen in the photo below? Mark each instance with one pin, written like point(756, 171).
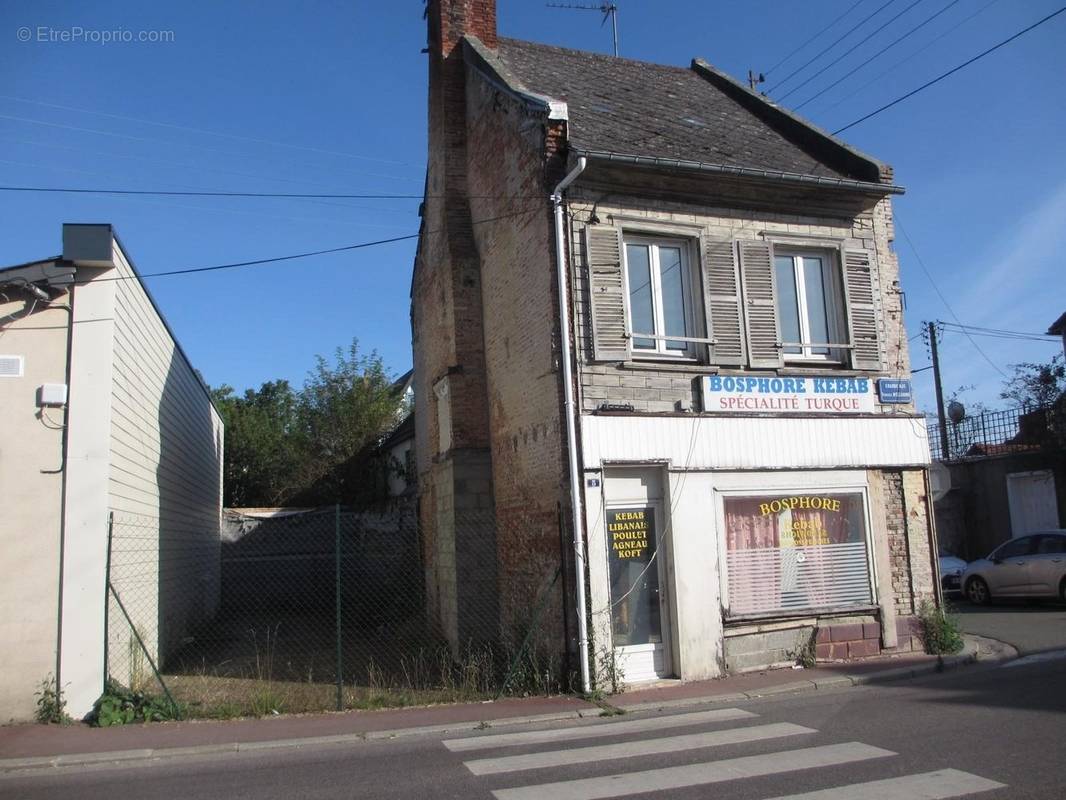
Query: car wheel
point(977, 592)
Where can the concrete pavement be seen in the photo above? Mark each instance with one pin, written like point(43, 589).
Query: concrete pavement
point(1030, 627)
point(36, 746)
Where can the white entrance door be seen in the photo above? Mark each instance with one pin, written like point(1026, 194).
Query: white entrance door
point(635, 555)
point(1031, 496)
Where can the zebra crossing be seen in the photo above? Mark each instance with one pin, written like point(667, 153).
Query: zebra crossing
point(661, 735)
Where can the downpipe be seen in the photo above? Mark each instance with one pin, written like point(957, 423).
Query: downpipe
point(571, 425)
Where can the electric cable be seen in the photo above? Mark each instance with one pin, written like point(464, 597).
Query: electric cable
point(808, 41)
point(877, 55)
point(849, 51)
point(821, 53)
point(940, 294)
point(952, 71)
point(910, 56)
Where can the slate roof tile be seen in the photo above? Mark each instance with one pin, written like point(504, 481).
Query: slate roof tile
point(638, 108)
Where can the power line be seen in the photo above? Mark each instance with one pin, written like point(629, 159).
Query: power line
point(152, 139)
point(940, 294)
point(279, 195)
point(308, 254)
point(951, 71)
point(823, 30)
point(850, 50)
point(910, 56)
point(998, 334)
point(877, 55)
point(189, 129)
point(821, 53)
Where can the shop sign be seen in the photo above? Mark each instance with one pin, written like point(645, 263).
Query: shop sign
point(634, 576)
point(788, 394)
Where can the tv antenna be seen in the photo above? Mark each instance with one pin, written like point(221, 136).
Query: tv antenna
point(609, 11)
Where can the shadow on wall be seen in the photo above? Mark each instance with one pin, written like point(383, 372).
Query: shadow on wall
point(189, 536)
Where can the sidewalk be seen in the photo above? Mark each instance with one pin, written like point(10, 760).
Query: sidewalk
point(31, 746)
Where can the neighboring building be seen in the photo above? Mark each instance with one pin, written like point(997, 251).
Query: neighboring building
point(750, 468)
point(100, 411)
point(1007, 478)
point(1058, 328)
point(399, 451)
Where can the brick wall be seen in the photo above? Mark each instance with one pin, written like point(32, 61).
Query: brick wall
point(910, 552)
point(512, 165)
point(447, 333)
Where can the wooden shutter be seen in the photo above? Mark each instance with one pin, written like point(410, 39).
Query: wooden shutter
point(603, 245)
point(760, 304)
point(859, 293)
point(725, 318)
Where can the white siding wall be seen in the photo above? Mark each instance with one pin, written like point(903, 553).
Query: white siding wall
point(165, 484)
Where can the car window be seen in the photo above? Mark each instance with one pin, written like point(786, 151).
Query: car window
point(1015, 548)
point(1051, 544)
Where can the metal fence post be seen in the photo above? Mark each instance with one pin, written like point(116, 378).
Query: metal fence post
point(337, 582)
point(107, 600)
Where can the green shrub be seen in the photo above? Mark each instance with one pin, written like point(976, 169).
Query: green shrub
point(940, 632)
point(51, 707)
point(121, 706)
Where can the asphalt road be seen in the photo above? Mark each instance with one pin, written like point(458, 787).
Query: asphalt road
point(988, 732)
point(1030, 626)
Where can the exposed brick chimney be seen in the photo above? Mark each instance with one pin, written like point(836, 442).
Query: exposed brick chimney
point(450, 20)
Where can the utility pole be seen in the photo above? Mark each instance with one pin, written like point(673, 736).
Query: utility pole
point(755, 78)
point(940, 415)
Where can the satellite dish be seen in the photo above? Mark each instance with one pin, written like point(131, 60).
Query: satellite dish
point(939, 480)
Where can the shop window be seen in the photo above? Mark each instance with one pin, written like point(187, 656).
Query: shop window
point(792, 553)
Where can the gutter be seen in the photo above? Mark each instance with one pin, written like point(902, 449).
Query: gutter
point(794, 178)
point(576, 505)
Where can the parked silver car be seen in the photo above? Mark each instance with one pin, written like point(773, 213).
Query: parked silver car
point(1028, 566)
point(951, 569)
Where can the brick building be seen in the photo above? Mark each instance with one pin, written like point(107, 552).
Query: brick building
point(746, 477)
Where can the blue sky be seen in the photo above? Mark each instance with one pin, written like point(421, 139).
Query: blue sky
point(256, 97)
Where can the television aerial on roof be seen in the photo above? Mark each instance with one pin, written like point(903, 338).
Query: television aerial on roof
point(609, 11)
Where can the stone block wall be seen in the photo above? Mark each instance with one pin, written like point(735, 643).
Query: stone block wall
point(659, 387)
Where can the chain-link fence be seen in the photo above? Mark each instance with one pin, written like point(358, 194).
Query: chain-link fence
point(308, 611)
point(998, 433)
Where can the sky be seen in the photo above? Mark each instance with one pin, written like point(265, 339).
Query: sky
point(331, 98)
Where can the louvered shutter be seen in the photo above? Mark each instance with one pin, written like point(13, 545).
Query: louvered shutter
point(725, 319)
point(603, 245)
point(760, 304)
point(862, 310)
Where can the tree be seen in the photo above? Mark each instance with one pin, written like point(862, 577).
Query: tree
point(346, 410)
point(313, 446)
point(265, 444)
point(1036, 384)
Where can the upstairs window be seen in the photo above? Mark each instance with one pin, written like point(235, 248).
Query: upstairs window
point(810, 306)
point(659, 290)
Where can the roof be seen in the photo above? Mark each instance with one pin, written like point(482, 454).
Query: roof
point(1058, 326)
point(695, 114)
point(401, 433)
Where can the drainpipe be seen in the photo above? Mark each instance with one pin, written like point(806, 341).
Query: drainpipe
point(571, 425)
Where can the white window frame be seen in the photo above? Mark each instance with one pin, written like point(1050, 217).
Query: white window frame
point(836, 312)
point(783, 485)
point(690, 288)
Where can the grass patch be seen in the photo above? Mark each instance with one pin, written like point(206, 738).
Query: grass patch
point(939, 631)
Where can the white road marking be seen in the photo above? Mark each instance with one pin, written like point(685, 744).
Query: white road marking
point(938, 785)
point(643, 747)
point(1036, 658)
point(657, 780)
point(593, 731)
